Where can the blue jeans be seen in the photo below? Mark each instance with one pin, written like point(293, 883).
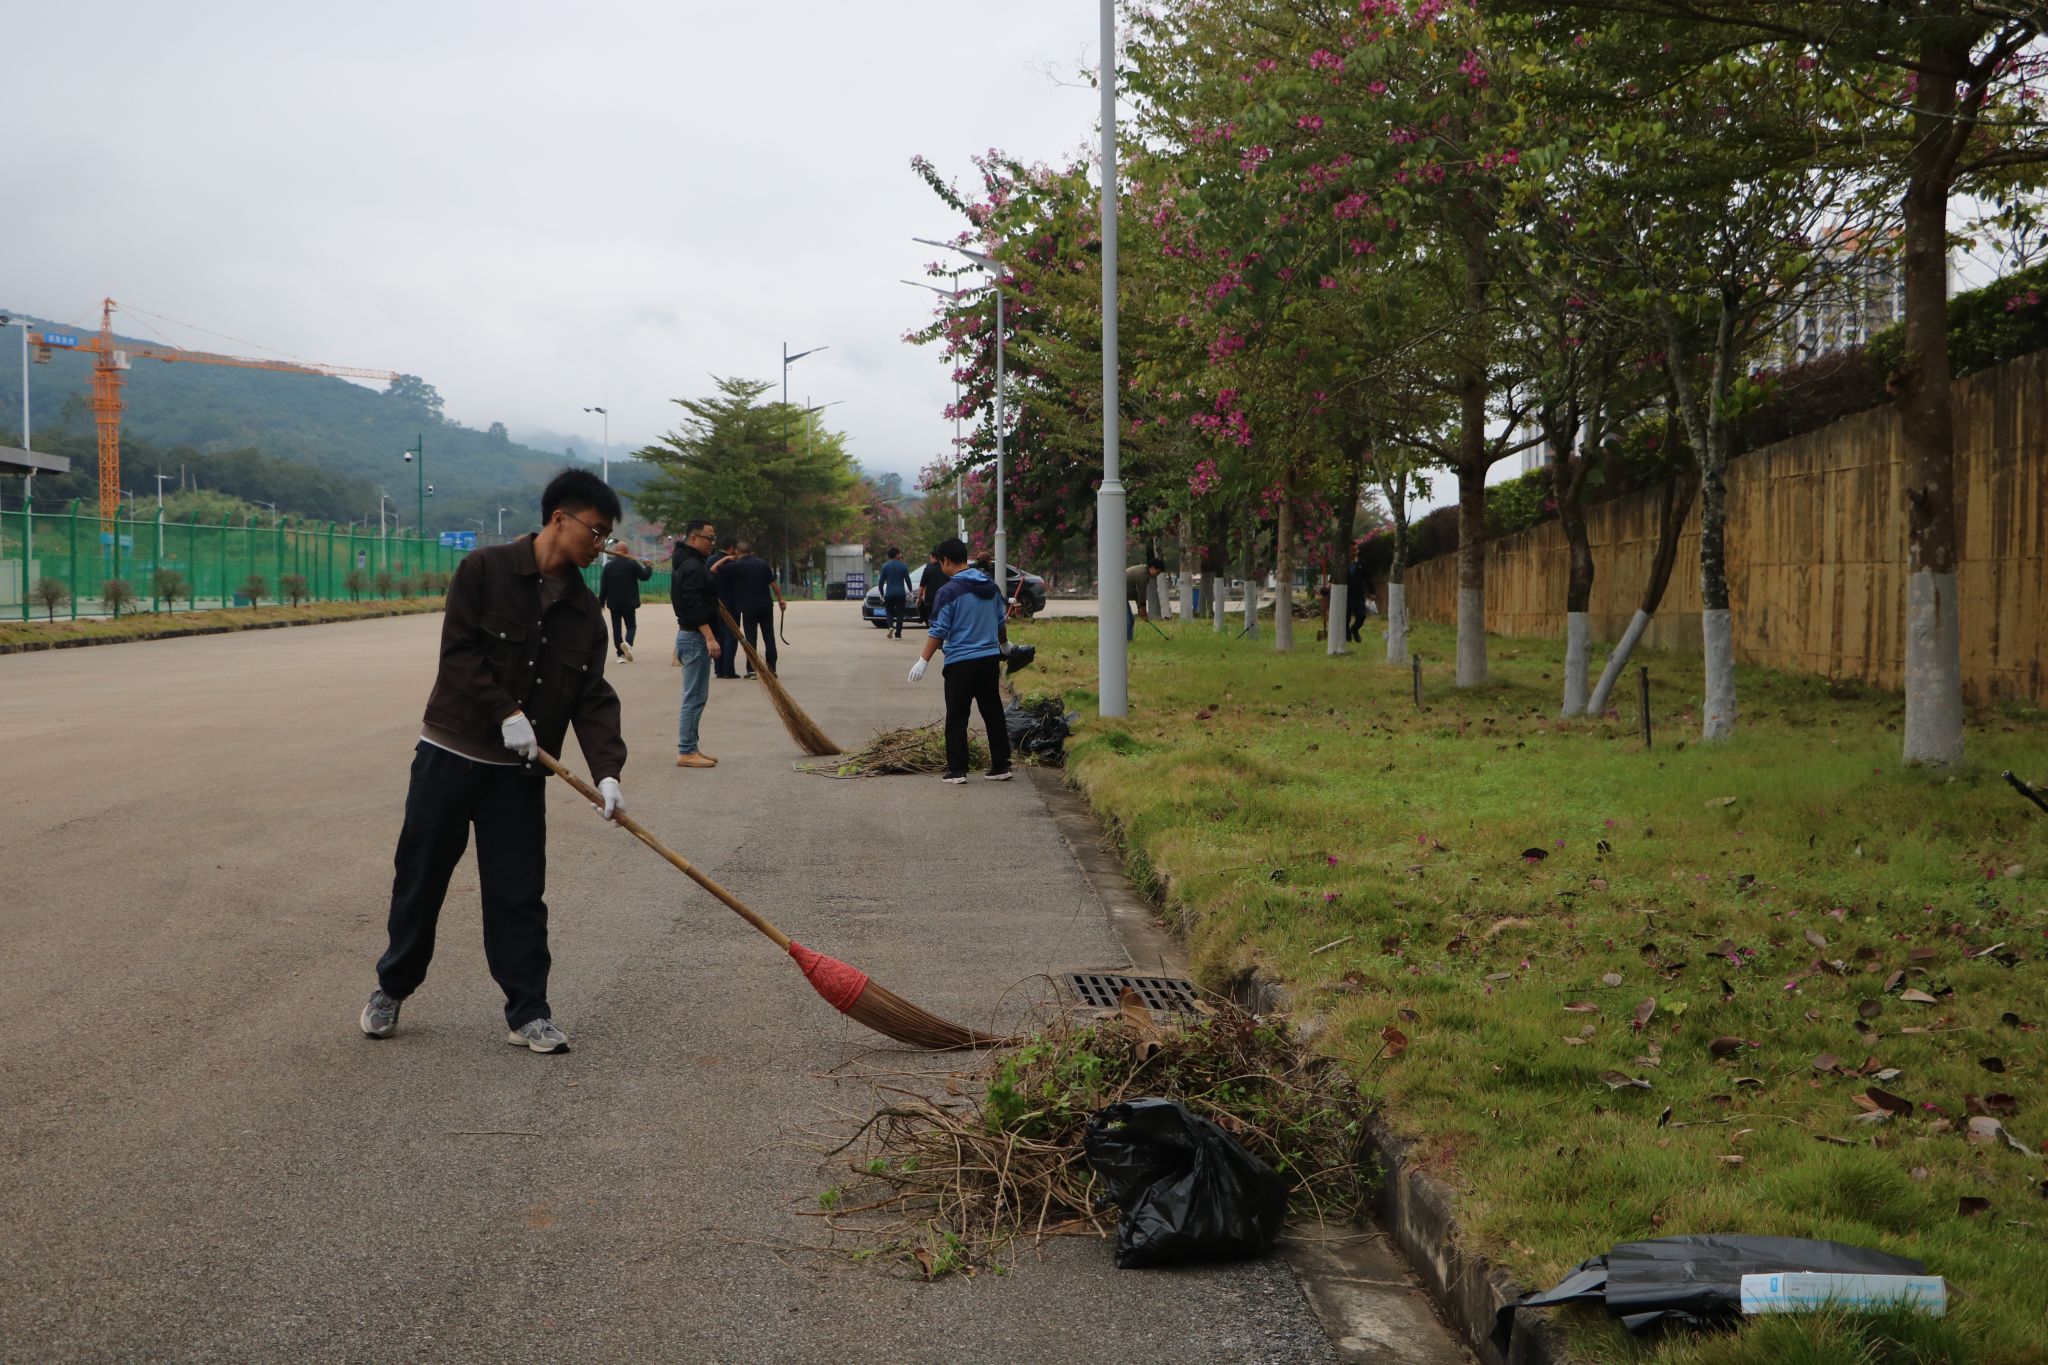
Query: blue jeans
point(696, 657)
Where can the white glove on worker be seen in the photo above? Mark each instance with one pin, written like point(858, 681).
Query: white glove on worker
point(614, 804)
point(917, 670)
point(518, 733)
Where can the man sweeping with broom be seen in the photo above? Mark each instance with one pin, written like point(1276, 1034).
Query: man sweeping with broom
point(522, 659)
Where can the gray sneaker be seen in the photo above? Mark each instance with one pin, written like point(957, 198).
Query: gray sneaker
point(539, 1034)
point(380, 1016)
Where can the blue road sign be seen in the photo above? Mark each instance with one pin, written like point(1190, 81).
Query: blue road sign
point(59, 339)
point(458, 540)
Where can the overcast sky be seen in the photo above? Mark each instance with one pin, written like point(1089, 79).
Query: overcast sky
point(535, 207)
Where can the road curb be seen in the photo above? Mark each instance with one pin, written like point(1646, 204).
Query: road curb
point(184, 632)
point(1412, 1207)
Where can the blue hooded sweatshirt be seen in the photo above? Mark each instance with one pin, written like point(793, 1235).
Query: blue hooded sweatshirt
point(967, 617)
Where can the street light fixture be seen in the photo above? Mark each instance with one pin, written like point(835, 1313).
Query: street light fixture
point(959, 477)
point(605, 460)
point(501, 522)
point(787, 361)
point(995, 272)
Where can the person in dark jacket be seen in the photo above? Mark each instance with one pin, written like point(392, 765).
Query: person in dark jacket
point(969, 624)
point(755, 596)
point(695, 599)
point(1358, 593)
point(522, 660)
point(895, 585)
point(928, 584)
point(619, 588)
point(727, 662)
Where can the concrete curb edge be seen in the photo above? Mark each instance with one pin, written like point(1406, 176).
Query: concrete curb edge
point(185, 632)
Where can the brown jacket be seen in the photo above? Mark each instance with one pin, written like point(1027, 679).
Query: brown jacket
point(500, 655)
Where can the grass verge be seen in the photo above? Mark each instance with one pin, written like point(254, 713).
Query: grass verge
point(22, 636)
point(1655, 991)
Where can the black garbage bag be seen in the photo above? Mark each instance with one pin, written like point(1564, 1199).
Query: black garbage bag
point(1694, 1281)
point(1188, 1190)
point(1039, 731)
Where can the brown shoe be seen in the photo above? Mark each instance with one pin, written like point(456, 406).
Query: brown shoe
point(695, 761)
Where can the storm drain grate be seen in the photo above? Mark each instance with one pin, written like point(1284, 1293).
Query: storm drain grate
point(1104, 989)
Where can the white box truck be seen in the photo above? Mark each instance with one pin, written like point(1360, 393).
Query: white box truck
point(846, 572)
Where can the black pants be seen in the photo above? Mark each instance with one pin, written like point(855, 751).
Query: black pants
point(625, 625)
point(898, 609)
point(1354, 612)
point(758, 621)
point(972, 683)
point(727, 663)
point(508, 807)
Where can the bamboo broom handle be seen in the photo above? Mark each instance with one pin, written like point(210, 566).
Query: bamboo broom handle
point(681, 864)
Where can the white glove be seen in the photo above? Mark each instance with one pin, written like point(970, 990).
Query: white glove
point(917, 670)
point(614, 804)
point(518, 733)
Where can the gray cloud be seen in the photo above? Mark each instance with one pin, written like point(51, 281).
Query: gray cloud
point(535, 206)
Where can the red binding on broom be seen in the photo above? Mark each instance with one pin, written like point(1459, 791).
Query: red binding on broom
point(845, 988)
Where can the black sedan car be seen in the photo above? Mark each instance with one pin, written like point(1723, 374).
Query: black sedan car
point(1026, 589)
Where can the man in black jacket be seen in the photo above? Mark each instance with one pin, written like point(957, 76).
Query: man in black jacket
point(619, 587)
point(928, 584)
point(522, 659)
point(1358, 592)
point(695, 599)
point(755, 595)
point(726, 664)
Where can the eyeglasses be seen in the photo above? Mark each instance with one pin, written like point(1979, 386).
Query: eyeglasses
point(597, 536)
point(706, 536)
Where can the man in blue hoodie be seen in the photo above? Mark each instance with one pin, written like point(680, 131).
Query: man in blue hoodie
point(968, 621)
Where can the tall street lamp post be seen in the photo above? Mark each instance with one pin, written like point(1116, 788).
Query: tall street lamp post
point(1112, 652)
point(787, 361)
point(160, 519)
point(995, 273)
point(419, 448)
point(605, 460)
point(959, 478)
point(28, 485)
point(501, 523)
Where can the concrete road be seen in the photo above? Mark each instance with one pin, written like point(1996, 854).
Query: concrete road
point(201, 1158)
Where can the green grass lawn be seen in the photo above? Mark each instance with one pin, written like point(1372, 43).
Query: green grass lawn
point(146, 624)
point(1761, 930)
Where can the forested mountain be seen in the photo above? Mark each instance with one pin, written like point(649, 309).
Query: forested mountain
point(346, 437)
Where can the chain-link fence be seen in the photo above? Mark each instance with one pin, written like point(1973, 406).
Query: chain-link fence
point(59, 564)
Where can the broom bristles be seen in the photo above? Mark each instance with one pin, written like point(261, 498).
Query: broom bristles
point(853, 993)
point(801, 727)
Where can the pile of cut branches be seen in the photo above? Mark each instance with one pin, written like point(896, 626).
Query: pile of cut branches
point(919, 749)
point(951, 1181)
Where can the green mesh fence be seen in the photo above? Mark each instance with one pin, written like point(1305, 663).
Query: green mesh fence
point(57, 563)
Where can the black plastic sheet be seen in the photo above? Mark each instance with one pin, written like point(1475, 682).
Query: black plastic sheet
point(1188, 1191)
point(1694, 1281)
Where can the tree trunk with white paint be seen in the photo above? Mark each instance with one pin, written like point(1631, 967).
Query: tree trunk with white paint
point(1472, 568)
point(1674, 505)
point(1212, 593)
point(1338, 616)
point(1934, 656)
point(1706, 425)
point(1187, 570)
point(1396, 490)
point(1251, 579)
point(1283, 571)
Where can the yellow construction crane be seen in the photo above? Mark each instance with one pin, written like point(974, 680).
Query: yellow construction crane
point(111, 360)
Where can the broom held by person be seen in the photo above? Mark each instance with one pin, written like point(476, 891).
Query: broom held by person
point(968, 623)
point(522, 660)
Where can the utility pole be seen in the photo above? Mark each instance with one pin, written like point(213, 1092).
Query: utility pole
point(419, 448)
point(1112, 652)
